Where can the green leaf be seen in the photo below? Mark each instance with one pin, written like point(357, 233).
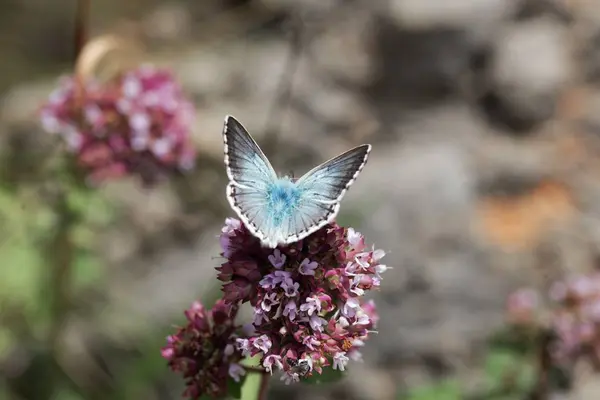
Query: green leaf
point(509, 372)
point(448, 389)
point(20, 272)
point(498, 363)
point(329, 375)
point(66, 394)
point(7, 340)
point(87, 269)
point(90, 206)
point(521, 340)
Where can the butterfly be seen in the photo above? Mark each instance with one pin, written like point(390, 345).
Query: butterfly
point(280, 210)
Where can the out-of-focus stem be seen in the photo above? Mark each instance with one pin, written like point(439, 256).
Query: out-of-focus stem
point(264, 386)
point(61, 256)
point(541, 390)
point(80, 36)
point(81, 25)
point(61, 249)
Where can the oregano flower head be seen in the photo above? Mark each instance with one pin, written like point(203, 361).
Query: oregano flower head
point(204, 351)
point(139, 124)
point(309, 310)
point(570, 312)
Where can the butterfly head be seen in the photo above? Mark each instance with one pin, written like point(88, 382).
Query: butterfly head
point(291, 176)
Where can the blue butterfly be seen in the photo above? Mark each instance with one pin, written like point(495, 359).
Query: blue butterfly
point(279, 210)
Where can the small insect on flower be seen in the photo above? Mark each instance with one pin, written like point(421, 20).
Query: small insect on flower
point(300, 367)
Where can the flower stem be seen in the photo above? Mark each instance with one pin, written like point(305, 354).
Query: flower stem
point(81, 36)
point(264, 386)
point(81, 25)
point(61, 254)
point(541, 389)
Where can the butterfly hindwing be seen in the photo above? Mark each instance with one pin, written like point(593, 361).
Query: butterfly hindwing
point(329, 181)
point(323, 188)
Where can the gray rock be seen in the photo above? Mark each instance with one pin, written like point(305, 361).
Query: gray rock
point(529, 89)
point(435, 14)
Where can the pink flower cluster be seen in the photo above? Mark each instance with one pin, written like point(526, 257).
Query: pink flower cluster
point(204, 350)
point(138, 124)
point(307, 297)
point(522, 307)
point(574, 316)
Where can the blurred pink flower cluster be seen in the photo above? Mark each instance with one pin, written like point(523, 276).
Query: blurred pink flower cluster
point(138, 124)
point(204, 350)
point(576, 317)
point(307, 297)
point(573, 316)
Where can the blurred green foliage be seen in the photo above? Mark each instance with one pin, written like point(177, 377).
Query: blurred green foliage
point(447, 389)
point(329, 375)
point(510, 372)
point(50, 226)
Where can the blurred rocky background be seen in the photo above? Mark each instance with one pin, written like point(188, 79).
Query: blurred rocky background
point(484, 176)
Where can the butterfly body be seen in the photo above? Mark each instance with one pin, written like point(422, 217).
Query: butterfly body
point(282, 210)
point(283, 197)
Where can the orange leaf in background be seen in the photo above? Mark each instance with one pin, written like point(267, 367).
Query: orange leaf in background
point(517, 223)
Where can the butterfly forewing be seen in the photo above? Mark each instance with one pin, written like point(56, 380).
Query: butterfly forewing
point(246, 163)
point(250, 175)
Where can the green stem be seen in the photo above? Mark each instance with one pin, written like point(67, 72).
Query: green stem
point(60, 255)
point(255, 385)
